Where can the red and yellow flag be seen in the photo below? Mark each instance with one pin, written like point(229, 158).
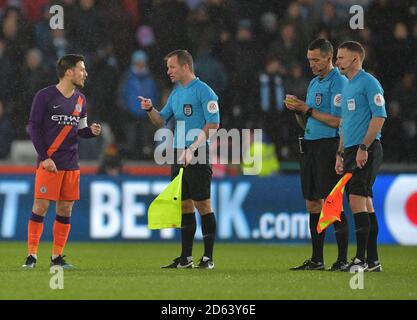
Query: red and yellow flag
point(332, 206)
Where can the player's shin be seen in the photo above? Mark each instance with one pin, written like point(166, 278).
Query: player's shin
point(61, 231)
point(372, 249)
point(317, 239)
point(341, 229)
point(188, 228)
point(208, 226)
point(35, 229)
point(362, 233)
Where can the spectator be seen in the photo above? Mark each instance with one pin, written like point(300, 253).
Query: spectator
point(87, 17)
point(401, 43)
point(6, 132)
point(330, 20)
point(168, 20)
point(296, 83)
point(394, 134)
point(287, 47)
point(405, 93)
point(13, 31)
point(210, 70)
point(103, 93)
point(200, 29)
point(8, 71)
point(247, 55)
point(32, 77)
point(111, 164)
point(138, 81)
point(269, 28)
point(268, 109)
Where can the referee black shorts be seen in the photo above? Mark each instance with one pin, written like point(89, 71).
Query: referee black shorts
point(196, 179)
point(363, 179)
point(318, 176)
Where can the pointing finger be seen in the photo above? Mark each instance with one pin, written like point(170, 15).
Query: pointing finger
point(143, 98)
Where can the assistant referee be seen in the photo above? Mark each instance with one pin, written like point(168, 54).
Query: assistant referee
point(320, 117)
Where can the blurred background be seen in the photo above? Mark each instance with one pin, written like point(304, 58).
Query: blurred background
point(251, 53)
point(240, 48)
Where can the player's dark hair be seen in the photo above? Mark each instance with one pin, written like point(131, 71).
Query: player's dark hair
point(183, 56)
point(66, 62)
point(323, 45)
point(354, 46)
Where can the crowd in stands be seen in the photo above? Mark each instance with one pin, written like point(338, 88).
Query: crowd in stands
point(250, 52)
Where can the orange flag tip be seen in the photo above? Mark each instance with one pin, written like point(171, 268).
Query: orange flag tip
point(333, 204)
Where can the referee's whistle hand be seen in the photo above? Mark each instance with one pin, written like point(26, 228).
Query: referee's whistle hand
point(145, 103)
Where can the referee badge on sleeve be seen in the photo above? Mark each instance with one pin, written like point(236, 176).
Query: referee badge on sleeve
point(188, 109)
point(337, 100)
point(212, 106)
point(319, 99)
point(379, 100)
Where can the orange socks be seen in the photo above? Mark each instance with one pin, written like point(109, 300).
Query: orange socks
point(61, 231)
point(35, 229)
point(62, 228)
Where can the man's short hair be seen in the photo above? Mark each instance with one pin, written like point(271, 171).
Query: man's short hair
point(183, 56)
point(323, 45)
point(66, 62)
point(354, 46)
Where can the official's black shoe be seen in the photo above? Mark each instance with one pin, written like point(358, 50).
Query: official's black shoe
point(30, 262)
point(60, 261)
point(338, 265)
point(205, 263)
point(374, 266)
point(355, 265)
point(309, 265)
point(180, 263)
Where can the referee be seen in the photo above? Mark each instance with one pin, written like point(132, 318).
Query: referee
point(320, 117)
point(193, 105)
point(363, 115)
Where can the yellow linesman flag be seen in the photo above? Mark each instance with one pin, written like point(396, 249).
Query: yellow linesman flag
point(333, 204)
point(165, 210)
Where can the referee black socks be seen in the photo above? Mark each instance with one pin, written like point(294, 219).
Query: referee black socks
point(317, 240)
point(208, 226)
point(362, 226)
point(372, 251)
point(188, 227)
point(341, 231)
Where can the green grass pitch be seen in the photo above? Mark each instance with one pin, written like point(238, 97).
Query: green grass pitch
point(243, 271)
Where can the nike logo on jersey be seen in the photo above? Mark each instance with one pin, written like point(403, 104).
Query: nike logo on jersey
point(56, 106)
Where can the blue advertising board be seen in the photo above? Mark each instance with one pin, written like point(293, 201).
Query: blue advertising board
point(248, 208)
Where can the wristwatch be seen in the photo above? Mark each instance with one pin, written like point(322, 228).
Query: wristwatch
point(309, 112)
point(363, 147)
